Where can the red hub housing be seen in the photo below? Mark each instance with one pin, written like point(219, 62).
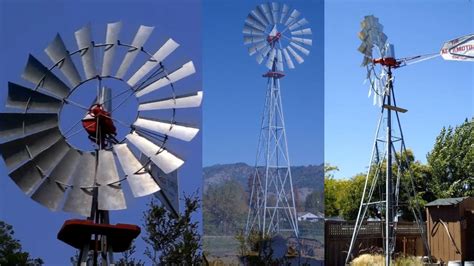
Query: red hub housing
point(98, 124)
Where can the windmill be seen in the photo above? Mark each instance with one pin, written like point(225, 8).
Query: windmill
point(389, 154)
point(272, 32)
point(63, 176)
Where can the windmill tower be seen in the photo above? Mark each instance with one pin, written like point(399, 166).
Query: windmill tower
point(48, 167)
point(389, 162)
point(274, 31)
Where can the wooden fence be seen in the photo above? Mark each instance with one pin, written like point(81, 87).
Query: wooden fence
point(338, 235)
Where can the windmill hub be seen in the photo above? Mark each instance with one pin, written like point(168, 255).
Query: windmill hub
point(387, 61)
point(98, 124)
point(273, 36)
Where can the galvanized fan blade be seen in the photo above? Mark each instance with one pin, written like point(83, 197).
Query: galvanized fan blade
point(293, 16)
point(84, 43)
point(298, 24)
point(19, 150)
point(297, 57)
point(258, 16)
point(251, 39)
point(36, 73)
point(275, 9)
point(140, 181)
point(57, 52)
point(154, 61)
point(51, 192)
point(288, 60)
point(20, 97)
point(279, 62)
point(141, 37)
point(306, 31)
point(257, 47)
point(165, 160)
point(265, 10)
point(111, 40)
point(110, 194)
point(30, 174)
point(300, 48)
point(174, 130)
point(79, 199)
point(302, 40)
point(284, 13)
point(183, 101)
point(366, 49)
point(263, 54)
point(250, 21)
point(252, 31)
point(182, 72)
point(16, 125)
point(271, 58)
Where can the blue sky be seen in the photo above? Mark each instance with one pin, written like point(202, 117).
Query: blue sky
point(436, 93)
point(28, 27)
point(235, 89)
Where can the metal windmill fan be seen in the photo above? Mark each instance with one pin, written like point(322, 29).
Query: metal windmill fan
point(372, 36)
point(42, 162)
point(273, 32)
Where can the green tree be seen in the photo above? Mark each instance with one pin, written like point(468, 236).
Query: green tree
point(172, 239)
point(452, 161)
point(128, 259)
point(10, 249)
point(225, 208)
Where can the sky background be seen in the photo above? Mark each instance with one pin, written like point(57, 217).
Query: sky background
point(436, 93)
point(235, 89)
point(28, 27)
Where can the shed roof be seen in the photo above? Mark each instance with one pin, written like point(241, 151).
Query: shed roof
point(446, 202)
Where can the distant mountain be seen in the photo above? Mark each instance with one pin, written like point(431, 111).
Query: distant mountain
point(309, 177)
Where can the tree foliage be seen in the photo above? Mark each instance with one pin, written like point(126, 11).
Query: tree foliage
point(225, 208)
point(172, 240)
point(452, 161)
point(10, 249)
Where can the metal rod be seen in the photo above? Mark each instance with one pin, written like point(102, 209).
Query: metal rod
point(388, 184)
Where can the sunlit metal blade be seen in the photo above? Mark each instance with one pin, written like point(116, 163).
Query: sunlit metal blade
point(21, 150)
point(36, 73)
point(111, 40)
point(293, 16)
point(139, 180)
point(51, 192)
point(79, 199)
point(252, 31)
point(84, 43)
point(366, 49)
point(259, 17)
point(271, 58)
point(284, 13)
point(141, 37)
point(30, 174)
point(257, 47)
point(57, 52)
point(251, 39)
point(306, 31)
point(302, 40)
point(288, 60)
point(300, 48)
point(183, 101)
point(20, 97)
point(174, 130)
point(182, 72)
point(165, 160)
point(275, 12)
point(265, 9)
point(157, 58)
point(263, 54)
point(298, 24)
point(297, 57)
point(110, 195)
point(279, 62)
point(16, 125)
point(250, 21)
